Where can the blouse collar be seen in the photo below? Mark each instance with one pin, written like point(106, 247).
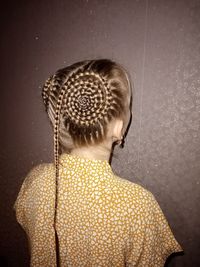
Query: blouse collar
point(78, 161)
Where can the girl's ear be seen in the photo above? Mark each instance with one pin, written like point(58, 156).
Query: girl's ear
point(117, 129)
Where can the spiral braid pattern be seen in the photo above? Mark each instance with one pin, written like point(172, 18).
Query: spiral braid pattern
point(87, 99)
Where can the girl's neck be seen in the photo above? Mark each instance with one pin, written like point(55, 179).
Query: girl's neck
point(98, 152)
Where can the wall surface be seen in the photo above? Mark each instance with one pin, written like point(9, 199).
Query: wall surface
point(159, 44)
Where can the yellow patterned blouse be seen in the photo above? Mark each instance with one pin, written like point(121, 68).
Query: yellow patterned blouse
point(103, 220)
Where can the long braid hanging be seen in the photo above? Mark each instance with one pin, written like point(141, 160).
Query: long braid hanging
point(56, 159)
point(48, 95)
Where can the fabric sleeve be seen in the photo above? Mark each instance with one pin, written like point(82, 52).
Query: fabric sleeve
point(151, 239)
point(34, 209)
point(20, 202)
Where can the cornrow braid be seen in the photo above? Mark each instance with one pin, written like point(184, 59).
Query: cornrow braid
point(87, 103)
point(51, 90)
point(50, 94)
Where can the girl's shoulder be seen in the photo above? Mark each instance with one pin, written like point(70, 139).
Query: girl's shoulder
point(134, 190)
point(38, 175)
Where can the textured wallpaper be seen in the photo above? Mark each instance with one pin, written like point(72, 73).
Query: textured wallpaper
point(158, 42)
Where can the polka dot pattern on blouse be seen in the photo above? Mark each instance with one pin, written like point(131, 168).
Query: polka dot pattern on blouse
point(102, 219)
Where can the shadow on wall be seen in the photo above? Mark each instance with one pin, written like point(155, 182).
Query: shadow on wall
point(170, 262)
point(3, 261)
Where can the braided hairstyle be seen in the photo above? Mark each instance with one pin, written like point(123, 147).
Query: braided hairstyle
point(81, 100)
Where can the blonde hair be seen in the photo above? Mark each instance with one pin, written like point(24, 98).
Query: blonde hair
point(83, 98)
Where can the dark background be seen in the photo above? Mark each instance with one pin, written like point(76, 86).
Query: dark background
point(158, 42)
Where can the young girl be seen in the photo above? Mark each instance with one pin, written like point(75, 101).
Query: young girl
point(76, 211)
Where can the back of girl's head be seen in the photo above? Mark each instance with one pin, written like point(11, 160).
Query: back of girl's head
point(83, 98)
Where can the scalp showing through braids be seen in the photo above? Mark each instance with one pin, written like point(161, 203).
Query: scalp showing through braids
point(82, 96)
point(88, 107)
